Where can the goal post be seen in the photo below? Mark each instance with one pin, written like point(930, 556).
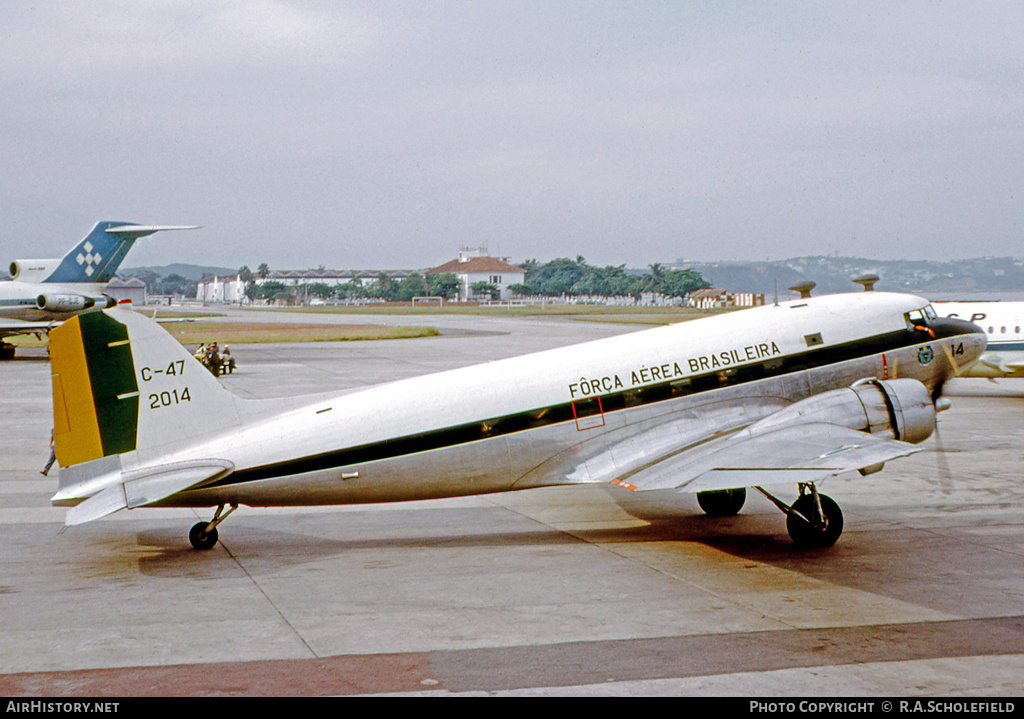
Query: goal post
point(428, 301)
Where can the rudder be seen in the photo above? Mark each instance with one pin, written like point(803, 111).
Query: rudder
point(121, 383)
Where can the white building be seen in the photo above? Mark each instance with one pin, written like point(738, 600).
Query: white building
point(132, 289)
point(332, 278)
point(474, 265)
point(228, 289)
point(711, 299)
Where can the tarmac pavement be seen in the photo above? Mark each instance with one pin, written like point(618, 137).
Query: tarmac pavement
point(561, 591)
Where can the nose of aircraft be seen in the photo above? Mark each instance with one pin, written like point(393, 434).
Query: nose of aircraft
point(968, 342)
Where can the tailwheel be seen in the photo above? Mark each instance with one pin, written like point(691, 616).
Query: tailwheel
point(722, 502)
point(814, 521)
point(203, 535)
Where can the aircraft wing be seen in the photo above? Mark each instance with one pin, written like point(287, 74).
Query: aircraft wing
point(1010, 363)
point(13, 328)
point(803, 453)
point(16, 328)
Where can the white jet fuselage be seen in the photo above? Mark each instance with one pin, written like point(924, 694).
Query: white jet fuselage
point(22, 300)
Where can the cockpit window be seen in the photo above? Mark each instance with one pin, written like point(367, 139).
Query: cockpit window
point(919, 317)
point(918, 320)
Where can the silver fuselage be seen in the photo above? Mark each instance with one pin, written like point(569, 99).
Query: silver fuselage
point(595, 412)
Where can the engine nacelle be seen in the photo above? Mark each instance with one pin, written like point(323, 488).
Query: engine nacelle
point(33, 270)
point(64, 303)
point(901, 409)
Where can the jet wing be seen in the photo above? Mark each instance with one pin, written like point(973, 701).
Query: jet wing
point(13, 328)
point(803, 453)
point(1006, 365)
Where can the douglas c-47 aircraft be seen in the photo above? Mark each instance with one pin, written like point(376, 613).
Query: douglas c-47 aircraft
point(43, 293)
point(791, 393)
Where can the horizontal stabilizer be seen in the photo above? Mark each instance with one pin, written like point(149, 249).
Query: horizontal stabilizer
point(160, 482)
point(138, 231)
point(139, 488)
point(99, 505)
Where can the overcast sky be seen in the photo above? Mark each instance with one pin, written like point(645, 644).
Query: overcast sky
point(390, 134)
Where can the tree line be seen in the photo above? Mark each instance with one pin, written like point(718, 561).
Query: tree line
point(564, 276)
point(557, 278)
point(384, 287)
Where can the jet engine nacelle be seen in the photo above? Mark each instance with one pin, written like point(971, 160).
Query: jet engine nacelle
point(901, 409)
point(33, 270)
point(64, 303)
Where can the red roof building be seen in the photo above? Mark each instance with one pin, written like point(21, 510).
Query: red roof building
point(474, 266)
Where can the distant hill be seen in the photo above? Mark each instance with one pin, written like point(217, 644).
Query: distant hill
point(962, 278)
point(189, 272)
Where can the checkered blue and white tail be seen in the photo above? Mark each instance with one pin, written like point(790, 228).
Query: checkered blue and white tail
point(97, 257)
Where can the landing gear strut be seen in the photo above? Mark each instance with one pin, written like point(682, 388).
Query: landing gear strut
point(814, 521)
point(203, 535)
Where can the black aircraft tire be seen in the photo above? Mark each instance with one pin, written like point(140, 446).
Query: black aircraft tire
point(722, 502)
point(202, 538)
point(806, 535)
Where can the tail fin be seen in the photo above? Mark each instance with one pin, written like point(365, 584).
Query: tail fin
point(130, 405)
point(122, 384)
point(97, 257)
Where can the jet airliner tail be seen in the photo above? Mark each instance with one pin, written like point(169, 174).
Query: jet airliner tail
point(97, 257)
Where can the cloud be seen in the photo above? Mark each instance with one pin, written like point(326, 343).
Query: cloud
point(396, 132)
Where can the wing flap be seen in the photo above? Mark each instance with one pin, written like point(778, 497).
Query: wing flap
point(804, 453)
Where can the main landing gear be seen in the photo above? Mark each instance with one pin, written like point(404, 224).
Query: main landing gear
point(814, 520)
point(203, 535)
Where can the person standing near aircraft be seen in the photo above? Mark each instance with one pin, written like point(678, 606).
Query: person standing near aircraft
point(53, 456)
point(227, 360)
